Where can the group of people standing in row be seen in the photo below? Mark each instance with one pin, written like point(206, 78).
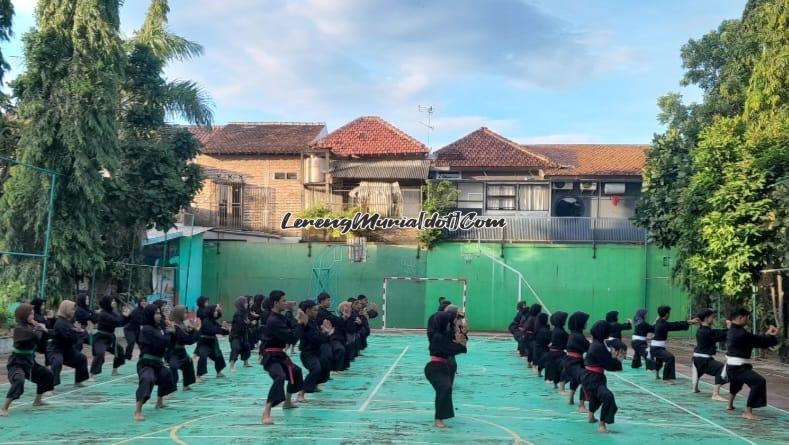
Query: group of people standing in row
point(328, 343)
point(570, 358)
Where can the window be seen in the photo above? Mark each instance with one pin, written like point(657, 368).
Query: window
point(470, 195)
point(286, 175)
point(448, 175)
point(502, 197)
point(533, 197)
point(230, 198)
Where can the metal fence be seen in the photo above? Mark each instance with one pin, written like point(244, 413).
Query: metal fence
point(556, 229)
point(235, 206)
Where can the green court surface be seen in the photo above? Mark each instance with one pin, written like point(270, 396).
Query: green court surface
point(385, 399)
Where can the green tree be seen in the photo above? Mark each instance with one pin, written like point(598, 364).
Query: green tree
point(68, 98)
point(440, 197)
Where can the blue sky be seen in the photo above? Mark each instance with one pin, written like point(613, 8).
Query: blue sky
point(537, 71)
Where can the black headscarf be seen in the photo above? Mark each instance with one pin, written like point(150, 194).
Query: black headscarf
point(558, 318)
point(148, 313)
point(640, 316)
point(106, 303)
point(82, 301)
point(612, 317)
point(542, 320)
point(600, 330)
point(211, 312)
point(37, 303)
point(535, 309)
point(441, 322)
point(577, 322)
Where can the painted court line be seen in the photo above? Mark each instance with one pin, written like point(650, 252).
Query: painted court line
point(724, 389)
point(381, 383)
point(684, 409)
point(516, 439)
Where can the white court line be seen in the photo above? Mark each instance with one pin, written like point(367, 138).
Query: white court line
point(516, 439)
point(724, 389)
point(381, 383)
point(684, 409)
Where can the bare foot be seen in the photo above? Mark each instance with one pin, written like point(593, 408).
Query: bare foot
point(79, 385)
point(90, 378)
point(440, 424)
point(301, 399)
point(219, 375)
point(186, 388)
point(719, 398)
point(138, 417)
point(669, 382)
point(40, 403)
point(749, 416)
point(267, 420)
point(289, 405)
point(592, 418)
point(601, 428)
point(232, 368)
point(115, 372)
point(160, 405)
point(582, 409)
point(3, 413)
point(200, 379)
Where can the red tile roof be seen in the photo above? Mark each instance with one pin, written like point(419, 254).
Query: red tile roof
point(370, 136)
point(258, 137)
point(484, 148)
point(594, 159)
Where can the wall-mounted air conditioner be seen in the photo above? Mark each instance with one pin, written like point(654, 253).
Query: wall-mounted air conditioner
point(562, 185)
point(588, 186)
point(613, 188)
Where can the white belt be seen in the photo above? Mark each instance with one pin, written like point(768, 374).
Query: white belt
point(658, 343)
point(638, 337)
point(733, 361)
point(697, 354)
point(610, 338)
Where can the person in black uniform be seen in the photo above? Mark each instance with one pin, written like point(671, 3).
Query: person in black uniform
point(515, 326)
point(542, 340)
point(529, 330)
point(335, 348)
point(132, 328)
point(639, 341)
point(663, 358)
point(41, 317)
point(615, 337)
point(22, 363)
point(367, 313)
point(208, 344)
point(281, 331)
point(313, 339)
point(553, 361)
point(704, 361)
point(239, 334)
point(65, 346)
point(738, 369)
point(184, 333)
point(599, 360)
point(443, 303)
point(573, 365)
point(154, 342)
point(104, 339)
point(445, 343)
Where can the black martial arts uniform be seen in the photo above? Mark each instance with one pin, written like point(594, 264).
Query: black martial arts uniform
point(177, 358)
point(542, 340)
point(639, 341)
point(40, 317)
point(208, 344)
point(352, 325)
point(132, 329)
point(599, 360)
point(364, 330)
point(662, 357)
point(739, 347)
point(555, 356)
point(440, 370)
point(104, 338)
point(281, 332)
point(704, 354)
point(154, 342)
point(577, 345)
point(22, 363)
point(615, 337)
point(516, 328)
point(239, 332)
point(530, 329)
point(65, 348)
point(317, 363)
point(336, 345)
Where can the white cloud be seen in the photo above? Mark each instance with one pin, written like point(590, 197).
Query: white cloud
point(24, 6)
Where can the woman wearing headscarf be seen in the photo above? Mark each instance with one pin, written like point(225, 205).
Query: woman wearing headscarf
point(599, 360)
point(445, 342)
point(184, 333)
point(542, 341)
point(208, 344)
point(83, 314)
point(555, 356)
point(255, 314)
point(577, 346)
point(639, 340)
point(65, 347)
point(132, 329)
point(239, 334)
point(154, 341)
point(104, 338)
point(529, 329)
point(40, 317)
point(201, 312)
point(22, 363)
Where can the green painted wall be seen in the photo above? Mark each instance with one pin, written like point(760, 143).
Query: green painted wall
point(567, 277)
point(190, 269)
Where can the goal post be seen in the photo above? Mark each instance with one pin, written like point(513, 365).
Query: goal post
point(422, 280)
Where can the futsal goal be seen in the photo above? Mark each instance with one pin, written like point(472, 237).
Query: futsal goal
point(406, 300)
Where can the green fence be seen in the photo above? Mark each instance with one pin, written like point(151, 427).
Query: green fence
point(565, 277)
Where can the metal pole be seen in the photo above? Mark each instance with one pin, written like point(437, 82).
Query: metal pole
point(189, 260)
point(45, 260)
point(753, 309)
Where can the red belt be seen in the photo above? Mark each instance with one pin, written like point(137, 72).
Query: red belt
point(597, 369)
point(574, 354)
point(435, 359)
point(290, 363)
point(556, 350)
point(530, 332)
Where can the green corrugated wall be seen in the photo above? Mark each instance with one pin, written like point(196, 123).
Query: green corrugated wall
point(567, 277)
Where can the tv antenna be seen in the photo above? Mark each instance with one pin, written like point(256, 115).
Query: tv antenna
point(429, 110)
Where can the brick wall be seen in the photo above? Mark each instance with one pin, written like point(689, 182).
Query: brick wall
point(282, 195)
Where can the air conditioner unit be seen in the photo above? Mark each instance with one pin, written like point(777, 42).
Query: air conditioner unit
point(588, 186)
point(562, 185)
point(614, 188)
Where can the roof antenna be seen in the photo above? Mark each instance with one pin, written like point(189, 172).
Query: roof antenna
point(429, 110)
